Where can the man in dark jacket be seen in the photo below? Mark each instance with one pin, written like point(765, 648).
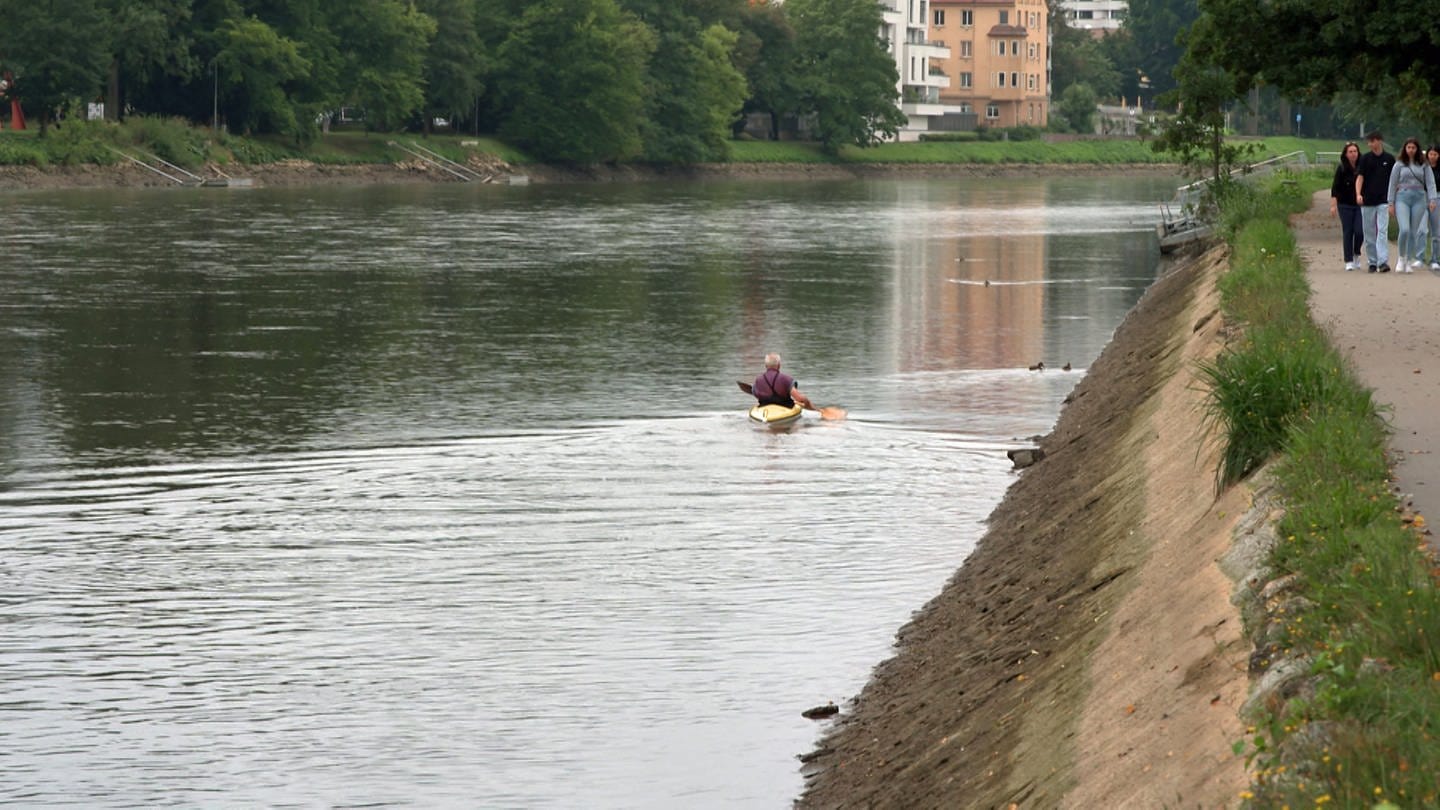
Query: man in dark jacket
point(1372, 188)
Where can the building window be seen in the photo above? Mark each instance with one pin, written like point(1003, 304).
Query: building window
point(966, 81)
point(965, 50)
point(992, 111)
point(1030, 83)
point(967, 18)
point(999, 79)
point(1084, 14)
point(1032, 112)
point(1014, 47)
point(1014, 79)
point(999, 47)
point(966, 108)
point(1032, 50)
point(939, 18)
point(1004, 17)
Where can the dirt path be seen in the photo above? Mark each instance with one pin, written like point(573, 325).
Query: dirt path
point(1086, 655)
point(1386, 325)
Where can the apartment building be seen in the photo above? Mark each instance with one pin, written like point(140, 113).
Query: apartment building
point(1099, 17)
point(916, 55)
point(999, 59)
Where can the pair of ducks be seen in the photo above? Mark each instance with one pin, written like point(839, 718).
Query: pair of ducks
point(1041, 367)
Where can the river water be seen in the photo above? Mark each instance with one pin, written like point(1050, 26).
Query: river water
point(445, 495)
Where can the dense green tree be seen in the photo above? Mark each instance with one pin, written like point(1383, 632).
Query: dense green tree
point(764, 51)
point(1146, 50)
point(257, 67)
point(383, 45)
point(152, 39)
point(455, 61)
point(572, 79)
point(1384, 50)
point(59, 51)
point(696, 93)
point(1078, 58)
point(1076, 108)
point(843, 74)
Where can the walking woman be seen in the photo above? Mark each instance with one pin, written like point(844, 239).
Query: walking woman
point(1412, 194)
point(1432, 156)
point(1345, 204)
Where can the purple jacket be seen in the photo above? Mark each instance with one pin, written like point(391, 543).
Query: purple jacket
point(773, 388)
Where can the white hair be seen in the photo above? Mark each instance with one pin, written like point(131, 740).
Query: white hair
point(772, 360)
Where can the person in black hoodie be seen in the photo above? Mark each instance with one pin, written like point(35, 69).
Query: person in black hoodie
point(1346, 205)
point(1372, 188)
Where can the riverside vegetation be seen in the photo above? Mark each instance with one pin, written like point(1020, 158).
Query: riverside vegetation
point(177, 141)
point(1363, 609)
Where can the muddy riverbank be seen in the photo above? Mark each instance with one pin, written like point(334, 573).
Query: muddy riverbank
point(304, 173)
point(1087, 654)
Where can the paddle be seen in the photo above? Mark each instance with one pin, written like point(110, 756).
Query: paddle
point(830, 412)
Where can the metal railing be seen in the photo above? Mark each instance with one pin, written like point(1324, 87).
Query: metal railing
point(1188, 196)
point(194, 179)
point(439, 161)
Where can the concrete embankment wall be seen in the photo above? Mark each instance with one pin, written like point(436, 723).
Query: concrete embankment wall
point(1086, 654)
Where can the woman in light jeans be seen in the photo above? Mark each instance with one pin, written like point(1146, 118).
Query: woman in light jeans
point(1412, 194)
point(1432, 156)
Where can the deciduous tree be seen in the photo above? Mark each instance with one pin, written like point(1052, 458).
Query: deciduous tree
point(843, 74)
point(59, 51)
point(455, 61)
point(383, 43)
point(572, 81)
point(256, 67)
point(1311, 50)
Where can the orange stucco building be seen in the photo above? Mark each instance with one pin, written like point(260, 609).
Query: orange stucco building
point(999, 62)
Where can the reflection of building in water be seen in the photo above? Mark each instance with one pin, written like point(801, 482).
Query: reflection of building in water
point(976, 299)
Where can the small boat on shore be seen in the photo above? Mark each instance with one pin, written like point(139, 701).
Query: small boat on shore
point(775, 415)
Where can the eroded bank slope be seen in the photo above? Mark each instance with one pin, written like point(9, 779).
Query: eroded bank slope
point(1086, 655)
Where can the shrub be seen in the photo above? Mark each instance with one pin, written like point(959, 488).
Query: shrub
point(171, 139)
point(17, 152)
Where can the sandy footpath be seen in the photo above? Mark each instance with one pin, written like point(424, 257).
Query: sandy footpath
point(1388, 326)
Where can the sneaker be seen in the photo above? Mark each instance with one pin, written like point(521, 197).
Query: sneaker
point(1349, 266)
point(1372, 268)
point(1385, 267)
point(1415, 264)
point(1435, 266)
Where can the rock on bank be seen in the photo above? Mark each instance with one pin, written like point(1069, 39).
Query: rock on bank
point(1086, 654)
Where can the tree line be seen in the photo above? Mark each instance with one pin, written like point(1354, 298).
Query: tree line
point(572, 80)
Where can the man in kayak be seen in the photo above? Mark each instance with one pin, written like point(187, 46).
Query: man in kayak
point(774, 388)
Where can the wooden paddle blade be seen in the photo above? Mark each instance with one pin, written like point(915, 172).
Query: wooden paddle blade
point(746, 387)
point(832, 413)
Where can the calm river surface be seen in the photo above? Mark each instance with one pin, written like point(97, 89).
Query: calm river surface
point(445, 496)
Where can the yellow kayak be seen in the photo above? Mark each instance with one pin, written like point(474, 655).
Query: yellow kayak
point(775, 415)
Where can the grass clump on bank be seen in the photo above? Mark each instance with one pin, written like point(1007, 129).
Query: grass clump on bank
point(1363, 614)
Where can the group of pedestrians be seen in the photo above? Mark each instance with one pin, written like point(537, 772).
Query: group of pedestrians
point(1371, 188)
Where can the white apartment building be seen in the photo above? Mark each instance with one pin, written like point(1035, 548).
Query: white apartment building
point(1096, 16)
point(906, 28)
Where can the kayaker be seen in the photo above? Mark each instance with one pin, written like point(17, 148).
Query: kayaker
point(775, 388)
